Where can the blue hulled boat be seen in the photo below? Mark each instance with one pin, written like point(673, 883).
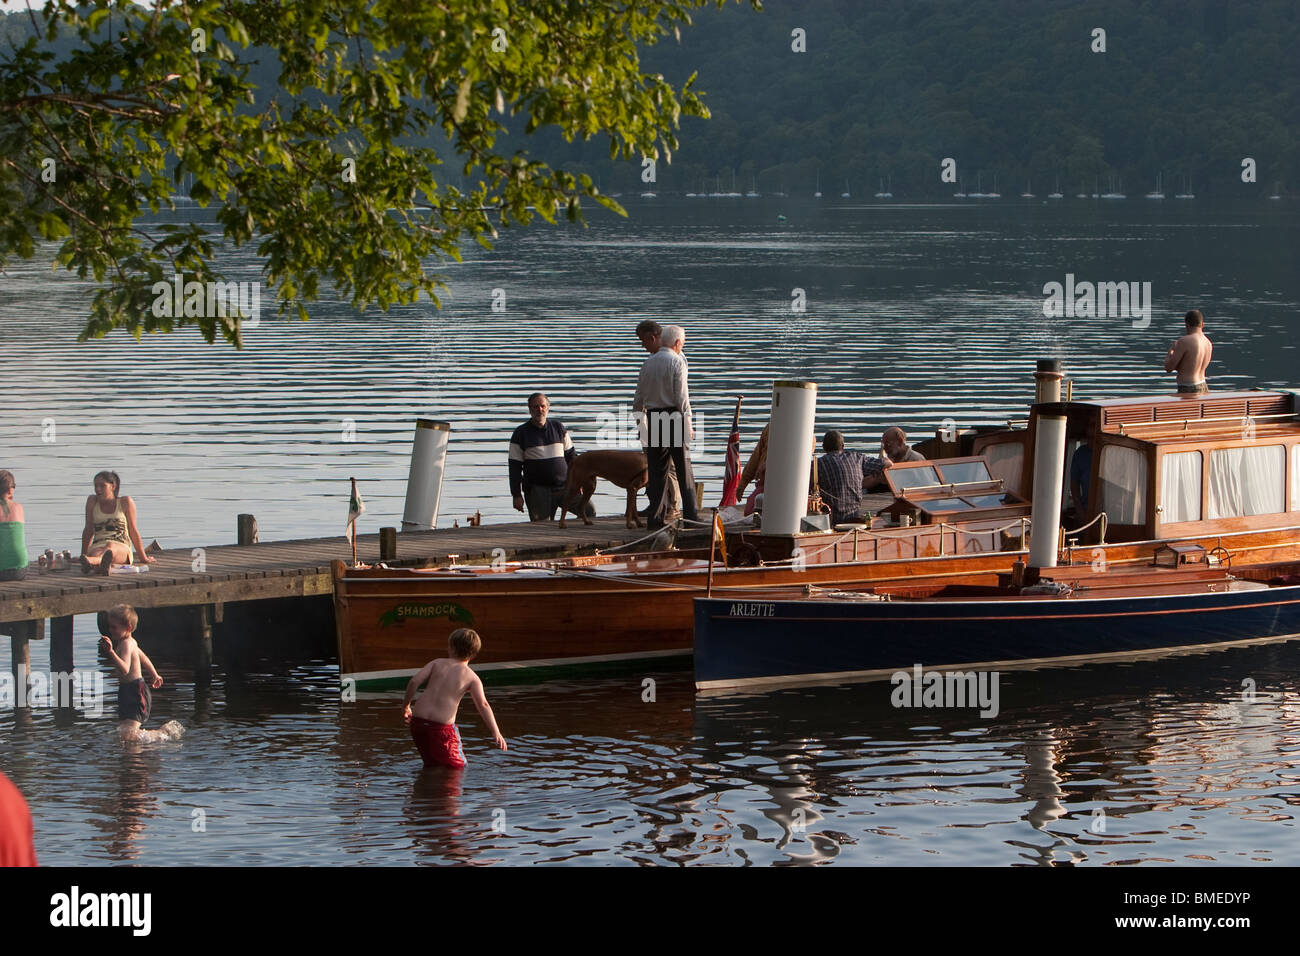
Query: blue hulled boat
point(781, 637)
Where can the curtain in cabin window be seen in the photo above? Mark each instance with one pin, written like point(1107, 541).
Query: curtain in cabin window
point(1180, 486)
point(1005, 461)
point(1295, 477)
point(1123, 484)
point(1246, 481)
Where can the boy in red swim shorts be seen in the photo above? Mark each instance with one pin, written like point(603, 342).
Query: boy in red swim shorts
point(433, 718)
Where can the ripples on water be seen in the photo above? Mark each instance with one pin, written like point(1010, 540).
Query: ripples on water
point(914, 315)
point(1147, 762)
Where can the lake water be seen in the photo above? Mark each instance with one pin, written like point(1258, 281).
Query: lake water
point(914, 315)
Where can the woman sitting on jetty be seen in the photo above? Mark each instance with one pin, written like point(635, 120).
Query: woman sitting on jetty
point(13, 538)
point(111, 535)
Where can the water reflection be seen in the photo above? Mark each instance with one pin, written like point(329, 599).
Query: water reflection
point(1166, 755)
point(433, 821)
point(1117, 777)
point(122, 815)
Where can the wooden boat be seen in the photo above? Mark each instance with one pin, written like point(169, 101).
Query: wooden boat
point(1214, 471)
point(776, 638)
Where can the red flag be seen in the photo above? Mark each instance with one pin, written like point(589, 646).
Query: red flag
point(731, 481)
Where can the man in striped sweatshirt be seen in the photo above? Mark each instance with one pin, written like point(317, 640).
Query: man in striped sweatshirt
point(540, 452)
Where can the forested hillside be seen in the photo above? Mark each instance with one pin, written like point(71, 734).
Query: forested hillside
point(1008, 88)
point(1012, 90)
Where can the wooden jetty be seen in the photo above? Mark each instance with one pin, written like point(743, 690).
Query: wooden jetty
point(282, 585)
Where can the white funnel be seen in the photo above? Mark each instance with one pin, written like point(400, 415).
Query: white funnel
point(424, 484)
point(1049, 474)
point(789, 444)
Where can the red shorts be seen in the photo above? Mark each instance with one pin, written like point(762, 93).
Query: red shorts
point(439, 744)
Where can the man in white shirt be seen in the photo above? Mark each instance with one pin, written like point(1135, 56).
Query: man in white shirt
point(664, 406)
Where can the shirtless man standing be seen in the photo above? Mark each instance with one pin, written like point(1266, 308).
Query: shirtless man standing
point(1190, 356)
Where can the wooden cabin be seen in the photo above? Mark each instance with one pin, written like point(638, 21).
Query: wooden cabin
point(1170, 466)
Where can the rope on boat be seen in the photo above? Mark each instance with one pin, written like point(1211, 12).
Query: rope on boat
point(1006, 527)
point(628, 544)
point(1101, 516)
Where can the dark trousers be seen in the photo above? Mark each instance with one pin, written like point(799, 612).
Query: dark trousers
point(544, 502)
point(667, 452)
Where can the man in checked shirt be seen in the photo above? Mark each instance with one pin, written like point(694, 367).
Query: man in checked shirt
point(841, 476)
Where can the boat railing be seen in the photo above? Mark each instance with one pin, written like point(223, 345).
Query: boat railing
point(1101, 517)
point(1022, 523)
point(919, 531)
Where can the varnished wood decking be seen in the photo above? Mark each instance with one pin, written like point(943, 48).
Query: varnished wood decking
point(277, 569)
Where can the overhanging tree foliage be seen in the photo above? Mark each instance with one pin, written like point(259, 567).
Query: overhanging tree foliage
point(380, 105)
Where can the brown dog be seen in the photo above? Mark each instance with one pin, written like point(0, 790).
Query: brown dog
point(627, 469)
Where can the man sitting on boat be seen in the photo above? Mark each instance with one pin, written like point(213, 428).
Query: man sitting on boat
point(540, 452)
point(894, 444)
point(1189, 356)
point(841, 476)
point(894, 449)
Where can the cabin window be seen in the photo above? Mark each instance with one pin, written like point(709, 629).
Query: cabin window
point(1006, 460)
point(1180, 486)
point(1247, 481)
point(1123, 484)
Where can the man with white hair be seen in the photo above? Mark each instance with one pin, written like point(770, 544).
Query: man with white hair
point(677, 336)
point(663, 403)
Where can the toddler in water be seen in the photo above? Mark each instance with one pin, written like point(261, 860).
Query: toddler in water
point(133, 697)
point(433, 718)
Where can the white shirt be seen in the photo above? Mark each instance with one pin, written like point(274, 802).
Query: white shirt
point(663, 384)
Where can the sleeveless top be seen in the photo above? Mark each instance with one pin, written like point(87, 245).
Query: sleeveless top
point(13, 543)
point(111, 527)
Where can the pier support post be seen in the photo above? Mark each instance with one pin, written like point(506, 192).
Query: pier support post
point(21, 635)
point(387, 544)
point(61, 662)
point(203, 645)
point(246, 533)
